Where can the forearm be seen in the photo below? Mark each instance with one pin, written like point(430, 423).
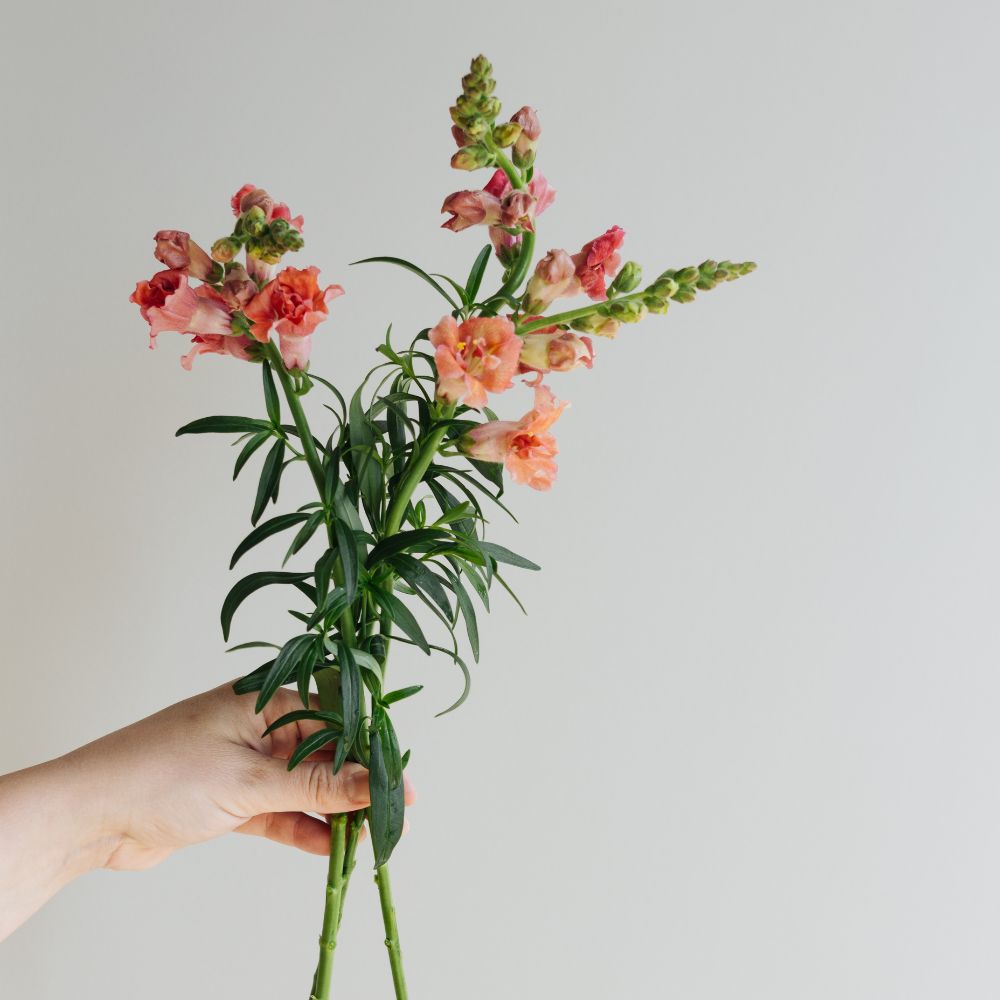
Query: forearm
point(50, 832)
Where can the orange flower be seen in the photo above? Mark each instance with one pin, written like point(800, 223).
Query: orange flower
point(524, 446)
point(477, 357)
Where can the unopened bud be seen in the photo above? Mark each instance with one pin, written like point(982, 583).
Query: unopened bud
point(686, 275)
point(655, 304)
point(664, 288)
point(600, 325)
point(471, 158)
point(507, 134)
point(481, 66)
point(685, 294)
point(476, 128)
point(225, 250)
point(705, 284)
point(628, 279)
point(708, 267)
point(627, 310)
point(254, 221)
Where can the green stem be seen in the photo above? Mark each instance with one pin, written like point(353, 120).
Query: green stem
point(332, 910)
point(391, 931)
point(298, 418)
point(355, 826)
point(569, 315)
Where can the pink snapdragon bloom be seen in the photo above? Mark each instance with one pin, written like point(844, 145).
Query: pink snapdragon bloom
point(524, 446)
point(554, 278)
point(470, 208)
point(553, 350)
point(599, 259)
point(239, 347)
point(531, 130)
point(176, 250)
point(238, 288)
point(250, 195)
point(476, 357)
point(294, 304)
point(184, 310)
point(503, 242)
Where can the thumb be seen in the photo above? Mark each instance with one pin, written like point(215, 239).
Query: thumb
point(311, 787)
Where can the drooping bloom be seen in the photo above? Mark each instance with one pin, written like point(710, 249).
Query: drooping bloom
point(176, 250)
point(184, 309)
point(527, 141)
point(476, 357)
point(294, 304)
point(470, 208)
point(524, 446)
point(554, 350)
point(598, 260)
point(554, 278)
point(240, 347)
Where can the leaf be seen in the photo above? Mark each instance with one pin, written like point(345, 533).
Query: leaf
point(350, 703)
point(367, 470)
point(419, 271)
point(312, 714)
point(402, 541)
point(476, 274)
point(252, 645)
point(224, 425)
point(311, 744)
point(253, 680)
point(322, 574)
point(385, 779)
point(402, 616)
point(408, 692)
point(248, 585)
point(469, 614)
point(304, 534)
point(335, 604)
point(265, 530)
point(492, 472)
point(419, 577)
point(502, 555)
point(271, 400)
point(459, 662)
point(286, 663)
point(270, 475)
point(348, 549)
point(248, 450)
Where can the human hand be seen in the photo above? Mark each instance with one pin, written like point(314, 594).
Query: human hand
point(187, 774)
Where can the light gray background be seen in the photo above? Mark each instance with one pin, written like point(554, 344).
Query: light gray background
point(745, 745)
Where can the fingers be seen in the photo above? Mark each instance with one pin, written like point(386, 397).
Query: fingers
point(293, 829)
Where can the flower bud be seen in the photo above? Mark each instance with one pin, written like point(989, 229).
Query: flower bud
point(684, 294)
point(555, 350)
point(458, 134)
point(627, 310)
point(527, 141)
point(476, 128)
point(664, 288)
point(628, 279)
point(602, 326)
point(254, 221)
point(258, 198)
point(507, 134)
point(481, 67)
point(686, 275)
point(471, 158)
point(226, 249)
point(656, 305)
point(176, 250)
point(705, 284)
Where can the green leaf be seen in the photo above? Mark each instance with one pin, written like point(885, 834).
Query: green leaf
point(335, 604)
point(286, 663)
point(304, 534)
point(420, 578)
point(364, 458)
point(350, 703)
point(271, 400)
point(402, 541)
point(248, 585)
point(469, 614)
point(492, 472)
point(385, 779)
point(265, 530)
point(311, 744)
point(253, 680)
point(408, 692)
point(248, 450)
point(224, 425)
point(476, 274)
point(312, 714)
point(270, 475)
point(347, 547)
point(401, 616)
point(419, 271)
point(502, 555)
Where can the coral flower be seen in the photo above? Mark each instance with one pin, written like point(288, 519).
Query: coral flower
point(155, 292)
point(177, 251)
point(184, 310)
point(599, 259)
point(554, 350)
point(477, 357)
point(239, 347)
point(524, 446)
point(294, 304)
point(554, 277)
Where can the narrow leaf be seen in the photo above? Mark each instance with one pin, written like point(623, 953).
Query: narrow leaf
point(419, 271)
point(248, 585)
point(265, 530)
point(224, 425)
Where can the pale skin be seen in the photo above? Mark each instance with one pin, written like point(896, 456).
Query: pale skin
point(190, 773)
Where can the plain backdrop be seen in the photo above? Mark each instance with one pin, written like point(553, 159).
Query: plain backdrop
point(745, 744)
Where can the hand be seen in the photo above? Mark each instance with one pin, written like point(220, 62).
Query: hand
point(187, 774)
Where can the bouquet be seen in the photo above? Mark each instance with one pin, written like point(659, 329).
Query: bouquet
point(407, 468)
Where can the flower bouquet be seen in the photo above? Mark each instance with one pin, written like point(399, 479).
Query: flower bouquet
point(407, 467)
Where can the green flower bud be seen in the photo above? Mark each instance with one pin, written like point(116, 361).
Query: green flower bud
point(481, 66)
point(507, 134)
point(472, 158)
point(686, 275)
point(226, 249)
point(684, 294)
point(707, 268)
point(664, 288)
point(254, 221)
point(523, 158)
point(656, 305)
point(628, 279)
point(476, 128)
point(627, 310)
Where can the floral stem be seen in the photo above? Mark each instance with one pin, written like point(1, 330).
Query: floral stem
point(354, 827)
point(557, 319)
point(333, 908)
point(391, 931)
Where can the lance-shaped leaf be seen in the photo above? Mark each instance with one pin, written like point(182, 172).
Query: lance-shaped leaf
point(248, 585)
point(224, 425)
point(502, 555)
point(254, 680)
point(405, 541)
point(476, 274)
point(350, 703)
point(364, 458)
point(270, 476)
point(333, 719)
point(385, 781)
point(408, 692)
point(401, 616)
point(265, 530)
point(311, 744)
point(298, 650)
point(271, 399)
point(248, 450)
point(347, 547)
point(406, 265)
point(420, 578)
